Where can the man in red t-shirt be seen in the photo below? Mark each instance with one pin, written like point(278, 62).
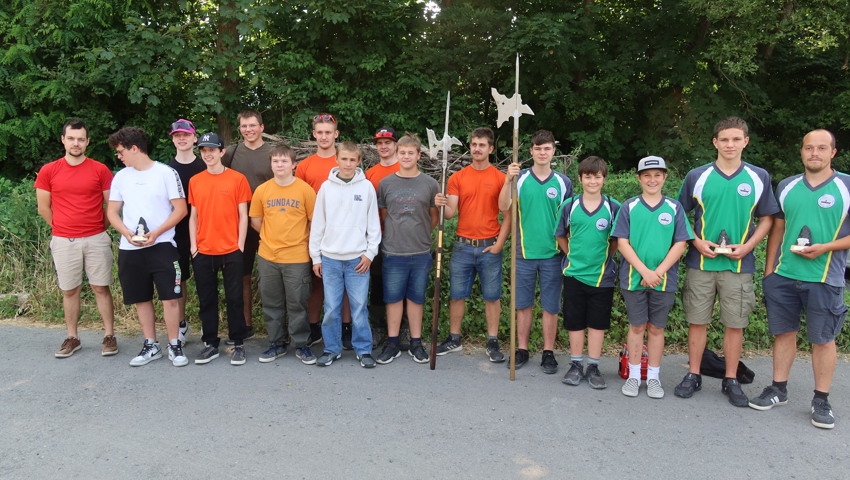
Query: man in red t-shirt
point(473, 194)
point(71, 193)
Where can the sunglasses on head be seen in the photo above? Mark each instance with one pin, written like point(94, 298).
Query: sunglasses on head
point(324, 117)
point(182, 125)
point(384, 134)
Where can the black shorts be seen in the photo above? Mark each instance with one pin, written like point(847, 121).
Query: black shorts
point(252, 244)
point(585, 306)
point(139, 270)
point(183, 249)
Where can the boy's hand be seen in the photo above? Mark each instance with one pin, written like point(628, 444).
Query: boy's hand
point(150, 239)
point(739, 251)
point(651, 279)
point(317, 269)
point(704, 247)
point(812, 251)
point(513, 171)
point(440, 200)
point(364, 264)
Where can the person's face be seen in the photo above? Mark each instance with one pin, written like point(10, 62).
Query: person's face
point(386, 147)
point(325, 134)
point(480, 149)
point(183, 141)
point(250, 128)
point(817, 151)
point(347, 162)
point(211, 155)
point(128, 156)
point(282, 166)
point(75, 141)
point(408, 156)
point(542, 154)
point(592, 182)
point(730, 143)
point(652, 180)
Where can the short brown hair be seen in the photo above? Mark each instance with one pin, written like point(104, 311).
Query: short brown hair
point(410, 140)
point(128, 137)
point(731, 122)
point(282, 150)
point(542, 136)
point(483, 132)
point(248, 113)
point(593, 165)
point(348, 147)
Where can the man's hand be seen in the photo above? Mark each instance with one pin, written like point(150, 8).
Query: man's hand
point(440, 200)
point(495, 248)
point(513, 171)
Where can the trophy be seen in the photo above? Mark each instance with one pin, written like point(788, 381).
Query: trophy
point(804, 239)
point(141, 232)
point(723, 242)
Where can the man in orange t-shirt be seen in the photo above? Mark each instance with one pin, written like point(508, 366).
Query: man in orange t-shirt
point(385, 143)
point(218, 224)
point(473, 194)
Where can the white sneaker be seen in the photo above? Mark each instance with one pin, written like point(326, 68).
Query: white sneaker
point(653, 388)
point(175, 354)
point(150, 352)
point(183, 332)
point(631, 387)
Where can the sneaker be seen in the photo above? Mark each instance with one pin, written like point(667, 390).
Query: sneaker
point(69, 346)
point(175, 354)
point(450, 345)
point(311, 342)
point(149, 353)
point(208, 354)
point(238, 356)
point(328, 358)
point(366, 360)
point(594, 377)
point(631, 387)
point(690, 384)
point(575, 374)
point(250, 335)
point(418, 353)
point(404, 338)
point(548, 364)
point(274, 352)
point(822, 416)
point(732, 389)
point(654, 389)
point(493, 351)
point(770, 397)
point(110, 346)
point(305, 355)
point(389, 353)
point(183, 332)
point(520, 359)
point(346, 337)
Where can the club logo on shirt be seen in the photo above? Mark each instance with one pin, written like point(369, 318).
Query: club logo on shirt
point(551, 192)
point(358, 198)
point(665, 219)
point(826, 201)
point(744, 190)
point(602, 224)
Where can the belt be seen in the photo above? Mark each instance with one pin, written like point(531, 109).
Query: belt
point(477, 243)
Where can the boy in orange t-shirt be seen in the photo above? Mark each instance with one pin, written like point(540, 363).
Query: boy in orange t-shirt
point(218, 224)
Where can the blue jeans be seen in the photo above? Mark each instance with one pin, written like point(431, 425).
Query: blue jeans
point(466, 262)
point(338, 277)
point(548, 270)
point(406, 277)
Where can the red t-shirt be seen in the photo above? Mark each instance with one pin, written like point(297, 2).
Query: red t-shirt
point(315, 170)
point(217, 199)
point(478, 201)
point(76, 196)
point(378, 172)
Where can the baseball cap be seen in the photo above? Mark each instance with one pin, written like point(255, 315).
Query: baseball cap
point(182, 125)
point(385, 132)
point(210, 140)
point(651, 162)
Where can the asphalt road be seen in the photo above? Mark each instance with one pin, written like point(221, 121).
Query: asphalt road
point(93, 417)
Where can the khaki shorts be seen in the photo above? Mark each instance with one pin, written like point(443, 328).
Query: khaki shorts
point(734, 291)
point(72, 255)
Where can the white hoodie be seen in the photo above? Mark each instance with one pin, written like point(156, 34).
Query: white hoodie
point(345, 223)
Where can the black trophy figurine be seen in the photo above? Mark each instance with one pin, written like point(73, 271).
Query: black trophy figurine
point(723, 242)
point(141, 232)
point(804, 239)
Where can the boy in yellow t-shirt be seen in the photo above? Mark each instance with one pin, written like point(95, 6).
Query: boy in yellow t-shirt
point(281, 210)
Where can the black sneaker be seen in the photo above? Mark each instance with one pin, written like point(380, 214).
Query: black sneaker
point(732, 389)
point(346, 337)
point(770, 397)
point(366, 361)
point(548, 364)
point(449, 346)
point(493, 351)
point(328, 358)
point(520, 359)
point(594, 377)
point(575, 374)
point(238, 357)
point(389, 353)
point(208, 354)
point(822, 416)
point(690, 384)
point(418, 353)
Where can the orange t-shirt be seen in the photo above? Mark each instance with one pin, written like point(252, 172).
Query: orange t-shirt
point(315, 170)
point(478, 201)
point(216, 199)
point(378, 172)
point(286, 213)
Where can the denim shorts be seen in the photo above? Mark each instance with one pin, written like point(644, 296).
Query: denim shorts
point(466, 262)
point(406, 277)
point(551, 280)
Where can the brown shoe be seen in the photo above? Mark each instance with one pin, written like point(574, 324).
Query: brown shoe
point(69, 346)
point(110, 346)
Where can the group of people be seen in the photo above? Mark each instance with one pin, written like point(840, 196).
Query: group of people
point(326, 231)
